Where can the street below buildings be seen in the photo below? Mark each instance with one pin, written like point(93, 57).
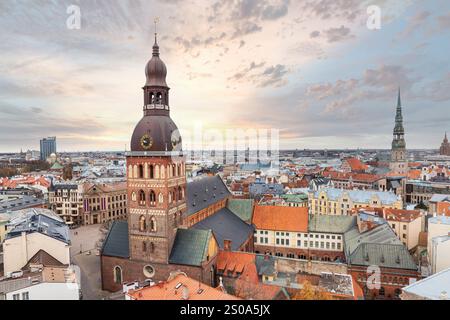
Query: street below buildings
point(83, 253)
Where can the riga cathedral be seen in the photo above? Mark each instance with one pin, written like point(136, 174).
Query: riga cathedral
point(171, 226)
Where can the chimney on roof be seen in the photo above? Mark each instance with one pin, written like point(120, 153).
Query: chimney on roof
point(185, 293)
point(227, 245)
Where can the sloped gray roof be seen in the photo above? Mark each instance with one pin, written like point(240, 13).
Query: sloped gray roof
point(383, 255)
point(190, 247)
point(21, 203)
point(432, 287)
point(39, 220)
point(116, 243)
point(382, 234)
point(203, 192)
point(227, 226)
point(331, 224)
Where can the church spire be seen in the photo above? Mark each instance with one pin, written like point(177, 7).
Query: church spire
point(399, 116)
point(398, 151)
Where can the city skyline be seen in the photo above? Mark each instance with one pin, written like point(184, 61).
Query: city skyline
point(333, 81)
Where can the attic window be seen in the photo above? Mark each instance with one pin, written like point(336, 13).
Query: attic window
point(178, 286)
point(200, 291)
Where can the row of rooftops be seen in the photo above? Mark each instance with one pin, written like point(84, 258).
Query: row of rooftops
point(20, 202)
point(379, 245)
point(358, 196)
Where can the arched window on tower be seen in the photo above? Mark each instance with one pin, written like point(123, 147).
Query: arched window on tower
point(173, 171)
point(174, 195)
point(179, 170)
point(141, 171)
point(152, 198)
point(130, 171)
point(159, 98)
point(118, 275)
point(160, 198)
point(144, 246)
point(133, 196)
point(180, 194)
point(152, 172)
point(142, 198)
point(142, 224)
point(152, 98)
point(152, 247)
point(153, 224)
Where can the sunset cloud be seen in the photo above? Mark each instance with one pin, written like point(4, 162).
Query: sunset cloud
point(310, 68)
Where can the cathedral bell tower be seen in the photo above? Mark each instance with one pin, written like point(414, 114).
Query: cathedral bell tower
point(156, 179)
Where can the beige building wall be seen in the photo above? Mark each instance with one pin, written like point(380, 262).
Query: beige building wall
point(441, 256)
point(407, 232)
point(3, 230)
point(19, 250)
point(68, 206)
point(436, 230)
point(299, 240)
point(344, 204)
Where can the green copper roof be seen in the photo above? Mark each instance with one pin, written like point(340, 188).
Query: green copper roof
point(190, 247)
point(57, 166)
point(243, 208)
point(383, 255)
point(298, 198)
point(331, 224)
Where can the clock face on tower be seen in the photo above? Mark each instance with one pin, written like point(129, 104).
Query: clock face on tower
point(146, 142)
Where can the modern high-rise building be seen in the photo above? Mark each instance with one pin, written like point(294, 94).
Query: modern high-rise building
point(48, 146)
point(398, 164)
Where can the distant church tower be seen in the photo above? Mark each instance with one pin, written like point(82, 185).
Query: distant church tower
point(398, 164)
point(445, 147)
point(156, 179)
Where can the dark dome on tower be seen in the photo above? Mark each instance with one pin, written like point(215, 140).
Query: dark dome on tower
point(161, 130)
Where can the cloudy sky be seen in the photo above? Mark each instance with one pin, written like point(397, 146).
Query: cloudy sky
point(309, 68)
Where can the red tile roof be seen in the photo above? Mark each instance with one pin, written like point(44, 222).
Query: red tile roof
point(281, 218)
point(356, 164)
point(401, 215)
point(168, 291)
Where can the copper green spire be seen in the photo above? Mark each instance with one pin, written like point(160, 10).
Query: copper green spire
point(399, 131)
